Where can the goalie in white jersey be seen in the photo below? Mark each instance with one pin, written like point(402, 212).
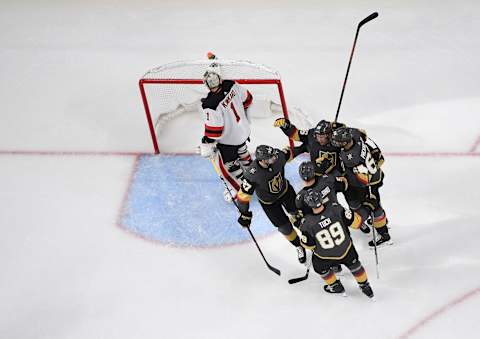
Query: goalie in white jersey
point(227, 127)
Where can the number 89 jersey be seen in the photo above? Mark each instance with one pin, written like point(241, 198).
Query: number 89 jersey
point(225, 114)
point(327, 233)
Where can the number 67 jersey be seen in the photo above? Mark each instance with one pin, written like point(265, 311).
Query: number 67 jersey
point(327, 234)
point(225, 114)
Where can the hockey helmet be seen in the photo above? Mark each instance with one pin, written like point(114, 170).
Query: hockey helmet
point(212, 77)
point(307, 170)
point(341, 137)
point(313, 198)
point(324, 127)
point(265, 153)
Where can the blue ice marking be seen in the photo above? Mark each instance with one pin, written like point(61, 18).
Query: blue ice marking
point(178, 200)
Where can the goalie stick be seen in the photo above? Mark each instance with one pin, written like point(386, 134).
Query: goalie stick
point(360, 24)
point(217, 170)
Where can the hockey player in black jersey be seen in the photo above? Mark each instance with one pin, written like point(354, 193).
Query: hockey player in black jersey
point(326, 233)
point(316, 141)
point(327, 185)
point(363, 171)
point(266, 177)
point(227, 127)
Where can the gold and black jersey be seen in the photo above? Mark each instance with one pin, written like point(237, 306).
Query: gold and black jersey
point(327, 233)
point(268, 183)
point(327, 185)
point(361, 169)
point(325, 157)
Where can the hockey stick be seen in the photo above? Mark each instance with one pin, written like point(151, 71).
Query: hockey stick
point(217, 170)
point(361, 23)
point(305, 277)
point(375, 247)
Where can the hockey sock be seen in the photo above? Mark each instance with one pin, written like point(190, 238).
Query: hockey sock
point(358, 272)
point(293, 238)
point(380, 220)
point(329, 277)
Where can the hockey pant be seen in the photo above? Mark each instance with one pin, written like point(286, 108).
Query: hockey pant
point(231, 160)
point(279, 218)
point(365, 199)
point(323, 267)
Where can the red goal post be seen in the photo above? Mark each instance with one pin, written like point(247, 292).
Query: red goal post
point(167, 91)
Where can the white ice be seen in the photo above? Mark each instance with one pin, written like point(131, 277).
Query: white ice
point(72, 123)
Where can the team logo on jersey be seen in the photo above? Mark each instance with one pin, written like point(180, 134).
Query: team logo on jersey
point(275, 185)
point(331, 157)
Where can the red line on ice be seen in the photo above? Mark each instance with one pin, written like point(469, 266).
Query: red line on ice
point(69, 153)
point(439, 312)
point(471, 153)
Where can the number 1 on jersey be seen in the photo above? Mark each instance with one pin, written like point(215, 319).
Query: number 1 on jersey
point(237, 117)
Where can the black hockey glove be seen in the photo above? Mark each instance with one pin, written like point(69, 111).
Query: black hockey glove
point(245, 219)
point(336, 125)
point(370, 202)
point(207, 140)
point(297, 219)
point(282, 123)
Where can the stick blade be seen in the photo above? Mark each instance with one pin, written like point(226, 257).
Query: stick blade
point(274, 269)
point(297, 280)
point(367, 19)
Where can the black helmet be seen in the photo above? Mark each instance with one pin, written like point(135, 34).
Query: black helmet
point(264, 152)
point(306, 170)
point(313, 198)
point(323, 127)
point(341, 137)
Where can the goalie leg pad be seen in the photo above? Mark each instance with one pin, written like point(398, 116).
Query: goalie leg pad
point(244, 155)
point(233, 167)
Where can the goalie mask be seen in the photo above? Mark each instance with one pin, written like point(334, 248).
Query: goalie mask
point(313, 199)
point(341, 137)
point(212, 77)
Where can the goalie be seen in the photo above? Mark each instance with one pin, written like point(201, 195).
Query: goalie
point(227, 128)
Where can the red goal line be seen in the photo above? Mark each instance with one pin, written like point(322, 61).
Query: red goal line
point(135, 154)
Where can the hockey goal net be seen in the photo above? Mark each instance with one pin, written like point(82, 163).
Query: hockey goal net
point(171, 96)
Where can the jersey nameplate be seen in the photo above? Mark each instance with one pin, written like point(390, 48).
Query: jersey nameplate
point(228, 98)
point(325, 223)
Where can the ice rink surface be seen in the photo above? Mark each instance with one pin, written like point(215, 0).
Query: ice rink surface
point(102, 239)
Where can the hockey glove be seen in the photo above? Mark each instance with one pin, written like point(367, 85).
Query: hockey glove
point(336, 125)
point(282, 123)
point(207, 150)
point(245, 219)
point(297, 219)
